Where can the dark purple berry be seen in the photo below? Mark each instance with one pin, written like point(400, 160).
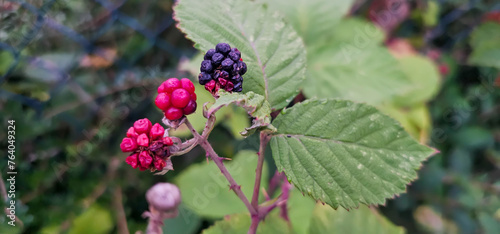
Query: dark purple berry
point(237, 78)
point(223, 48)
point(209, 54)
point(237, 87)
point(217, 58)
point(216, 74)
point(235, 54)
point(227, 64)
point(242, 67)
point(204, 78)
point(206, 66)
point(224, 75)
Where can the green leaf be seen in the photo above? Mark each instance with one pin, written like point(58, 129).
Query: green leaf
point(255, 105)
point(344, 56)
point(362, 220)
point(94, 220)
point(431, 15)
point(206, 191)
point(425, 78)
point(240, 223)
point(300, 210)
point(274, 53)
point(345, 153)
point(312, 18)
point(364, 75)
point(186, 222)
point(485, 45)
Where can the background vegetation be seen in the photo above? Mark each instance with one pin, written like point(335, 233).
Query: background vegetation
point(77, 74)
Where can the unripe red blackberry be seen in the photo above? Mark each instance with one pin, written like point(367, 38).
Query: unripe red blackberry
point(159, 164)
point(162, 101)
point(143, 140)
point(147, 148)
point(145, 159)
point(187, 85)
point(133, 160)
point(172, 84)
point(180, 98)
point(142, 126)
point(157, 131)
point(131, 133)
point(174, 96)
point(168, 141)
point(128, 145)
point(173, 113)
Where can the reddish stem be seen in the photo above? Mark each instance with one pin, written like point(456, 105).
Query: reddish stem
point(264, 139)
point(218, 161)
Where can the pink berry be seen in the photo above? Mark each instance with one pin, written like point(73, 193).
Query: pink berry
point(162, 101)
point(157, 131)
point(145, 160)
point(187, 85)
point(128, 145)
point(193, 96)
point(172, 84)
point(180, 98)
point(210, 85)
point(168, 141)
point(173, 113)
point(229, 86)
point(131, 133)
point(222, 82)
point(161, 88)
point(190, 108)
point(143, 140)
point(142, 125)
point(159, 164)
point(132, 160)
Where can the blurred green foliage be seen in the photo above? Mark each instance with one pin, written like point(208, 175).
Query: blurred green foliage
point(74, 99)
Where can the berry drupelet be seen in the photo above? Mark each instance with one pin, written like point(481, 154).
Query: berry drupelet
point(222, 68)
point(149, 149)
point(176, 98)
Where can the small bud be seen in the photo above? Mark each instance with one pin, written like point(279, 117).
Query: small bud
point(159, 164)
point(143, 140)
point(157, 131)
point(145, 159)
point(131, 133)
point(142, 125)
point(168, 141)
point(132, 160)
point(128, 145)
point(164, 197)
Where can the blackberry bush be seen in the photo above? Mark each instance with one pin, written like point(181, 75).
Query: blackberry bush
point(222, 68)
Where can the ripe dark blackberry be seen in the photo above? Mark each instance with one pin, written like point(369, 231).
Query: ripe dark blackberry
point(235, 54)
point(217, 59)
point(223, 68)
point(206, 66)
point(223, 48)
point(204, 78)
point(227, 64)
point(209, 54)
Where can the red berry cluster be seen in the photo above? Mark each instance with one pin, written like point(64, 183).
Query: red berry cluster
point(148, 146)
point(176, 98)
